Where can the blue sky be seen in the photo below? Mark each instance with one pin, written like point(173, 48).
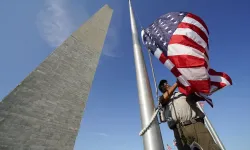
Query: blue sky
point(31, 30)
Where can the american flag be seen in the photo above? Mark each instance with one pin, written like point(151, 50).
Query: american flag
point(202, 104)
point(180, 41)
point(168, 147)
point(174, 142)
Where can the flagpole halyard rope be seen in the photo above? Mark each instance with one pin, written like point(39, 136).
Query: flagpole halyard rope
point(144, 130)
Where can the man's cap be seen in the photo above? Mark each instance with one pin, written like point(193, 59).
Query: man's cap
point(161, 84)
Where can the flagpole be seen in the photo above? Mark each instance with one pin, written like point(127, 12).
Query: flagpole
point(212, 130)
point(152, 139)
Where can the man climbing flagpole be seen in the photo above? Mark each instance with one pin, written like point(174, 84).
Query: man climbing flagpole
point(152, 139)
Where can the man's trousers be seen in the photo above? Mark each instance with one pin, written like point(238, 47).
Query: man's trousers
point(186, 135)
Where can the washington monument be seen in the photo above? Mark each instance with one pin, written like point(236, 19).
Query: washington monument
point(45, 110)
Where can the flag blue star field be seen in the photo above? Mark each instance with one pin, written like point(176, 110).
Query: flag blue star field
point(180, 41)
